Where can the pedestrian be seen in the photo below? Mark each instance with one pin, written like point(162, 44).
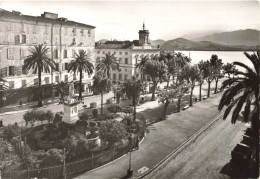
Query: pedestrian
point(1, 123)
point(21, 104)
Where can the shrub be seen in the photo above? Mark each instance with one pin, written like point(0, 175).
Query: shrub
point(112, 131)
point(58, 117)
point(82, 123)
point(93, 105)
point(84, 115)
point(52, 157)
point(114, 109)
point(11, 131)
point(95, 112)
point(35, 115)
point(48, 116)
point(127, 120)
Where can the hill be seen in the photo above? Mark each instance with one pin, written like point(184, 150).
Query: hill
point(184, 44)
point(155, 43)
point(248, 37)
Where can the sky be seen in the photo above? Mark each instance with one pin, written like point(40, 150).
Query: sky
point(165, 20)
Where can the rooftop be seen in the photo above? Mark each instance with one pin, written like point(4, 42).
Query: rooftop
point(46, 17)
point(115, 45)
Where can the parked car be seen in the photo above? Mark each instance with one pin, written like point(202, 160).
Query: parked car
point(185, 107)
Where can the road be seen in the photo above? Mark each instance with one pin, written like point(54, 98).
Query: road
point(205, 157)
point(17, 116)
point(162, 139)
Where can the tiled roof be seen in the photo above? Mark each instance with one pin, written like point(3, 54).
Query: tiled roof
point(115, 45)
point(8, 14)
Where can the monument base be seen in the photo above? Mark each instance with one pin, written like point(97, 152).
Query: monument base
point(71, 119)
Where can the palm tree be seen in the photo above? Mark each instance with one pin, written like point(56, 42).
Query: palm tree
point(61, 88)
point(165, 96)
point(141, 65)
point(208, 73)
point(181, 61)
point(191, 75)
point(202, 77)
point(217, 64)
point(107, 63)
point(132, 88)
point(171, 64)
point(39, 61)
point(101, 84)
point(228, 68)
point(80, 64)
point(156, 70)
point(245, 90)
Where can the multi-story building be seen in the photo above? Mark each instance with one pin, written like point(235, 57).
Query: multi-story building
point(127, 53)
point(19, 33)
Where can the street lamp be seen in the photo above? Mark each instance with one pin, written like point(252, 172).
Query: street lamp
point(130, 170)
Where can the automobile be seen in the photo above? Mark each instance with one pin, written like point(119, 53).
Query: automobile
point(204, 97)
point(185, 107)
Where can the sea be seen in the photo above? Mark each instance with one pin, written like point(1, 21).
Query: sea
point(226, 56)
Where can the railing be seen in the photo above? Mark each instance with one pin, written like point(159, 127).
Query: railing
point(74, 168)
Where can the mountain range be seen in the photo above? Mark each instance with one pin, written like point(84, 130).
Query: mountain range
point(240, 40)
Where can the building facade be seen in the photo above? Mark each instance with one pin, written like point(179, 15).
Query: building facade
point(128, 54)
point(64, 38)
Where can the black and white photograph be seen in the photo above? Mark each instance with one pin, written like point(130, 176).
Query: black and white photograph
point(129, 89)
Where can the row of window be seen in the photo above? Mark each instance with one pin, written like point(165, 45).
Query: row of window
point(120, 77)
point(120, 53)
point(11, 55)
point(34, 39)
point(36, 29)
point(119, 60)
point(46, 80)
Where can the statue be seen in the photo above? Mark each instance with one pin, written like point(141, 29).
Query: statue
point(71, 90)
point(71, 107)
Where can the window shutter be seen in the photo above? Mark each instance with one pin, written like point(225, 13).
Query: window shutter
point(19, 70)
point(63, 67)
point(15, 70)
point(27, 39)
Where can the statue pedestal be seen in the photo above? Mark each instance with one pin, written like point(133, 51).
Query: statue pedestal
point(70, 111)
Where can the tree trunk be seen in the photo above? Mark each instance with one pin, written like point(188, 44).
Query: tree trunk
point(108, 75)
point(40, 87)
point(168, 81)
point(200, 91)
point(154, 88)
point(216, 86)
point(179, 104)
point(80, 84)
point(209, 88)
point(118, 98)
point(101, 102)
point(165, 109)
point(191, 93)
point(134, 99)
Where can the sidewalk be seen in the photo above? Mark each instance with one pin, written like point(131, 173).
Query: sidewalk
point(162, 138)
point(17, 116)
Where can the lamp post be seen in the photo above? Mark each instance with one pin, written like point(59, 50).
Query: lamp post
point(64, 165)
point(130, 170)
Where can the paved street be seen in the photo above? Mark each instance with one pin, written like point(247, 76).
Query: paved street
point(206, 157)
point(17, 116)
point(163, 137)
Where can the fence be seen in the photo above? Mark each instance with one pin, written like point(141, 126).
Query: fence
point(71, 169)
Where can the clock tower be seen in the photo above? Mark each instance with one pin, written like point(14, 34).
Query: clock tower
point(143, 36)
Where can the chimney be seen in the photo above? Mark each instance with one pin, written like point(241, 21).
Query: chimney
point(50, 15)
point(16, 12)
